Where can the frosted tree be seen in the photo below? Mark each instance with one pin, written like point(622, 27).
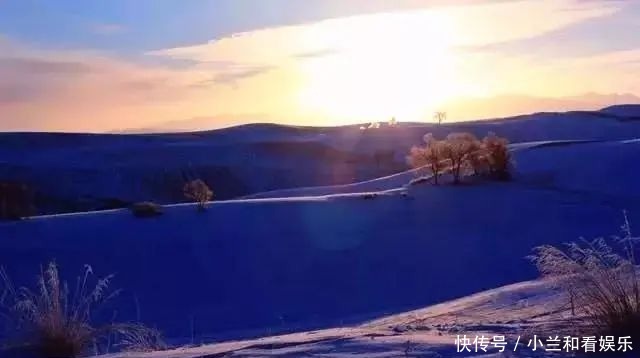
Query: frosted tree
point(198, 191)
point(431, 156)
point(497, 155)
point(458, 149)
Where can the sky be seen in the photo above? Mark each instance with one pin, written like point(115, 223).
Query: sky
point(148, 65)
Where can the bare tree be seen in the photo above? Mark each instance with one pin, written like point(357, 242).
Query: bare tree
point(198, 191)
point(440, 117)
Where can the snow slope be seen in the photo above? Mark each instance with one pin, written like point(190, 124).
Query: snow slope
point(390, 182)
point(508, 311)
point(551, 164)
point(248, 267)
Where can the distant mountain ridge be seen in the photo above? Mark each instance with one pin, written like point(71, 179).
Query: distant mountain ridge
point(465, 109)
point(623, 110)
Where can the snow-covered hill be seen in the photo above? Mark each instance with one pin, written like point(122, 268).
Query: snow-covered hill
point(80, 172)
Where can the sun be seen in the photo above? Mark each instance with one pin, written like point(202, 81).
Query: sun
point(388, 65)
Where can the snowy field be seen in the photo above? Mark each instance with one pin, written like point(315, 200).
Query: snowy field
point(365, 256)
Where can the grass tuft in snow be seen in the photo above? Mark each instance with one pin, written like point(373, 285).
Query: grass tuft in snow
point(601, 282)
point(55, 322)
point(139, 338)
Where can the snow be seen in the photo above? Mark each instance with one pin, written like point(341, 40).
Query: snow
point(277, 264)
point(379, 184)
point(426, 332)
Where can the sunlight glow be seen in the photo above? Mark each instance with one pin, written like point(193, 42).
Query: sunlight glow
point(382, 66)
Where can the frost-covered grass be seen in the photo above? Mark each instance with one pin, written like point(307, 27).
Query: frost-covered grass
point(56, 321)
point(601, 282)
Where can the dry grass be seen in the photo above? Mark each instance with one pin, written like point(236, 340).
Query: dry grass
point(56, 322)
point(138, 338)
point(601, 282)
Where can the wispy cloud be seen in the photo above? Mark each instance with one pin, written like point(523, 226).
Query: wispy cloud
point(76, 90)
point(233, 76)
point(317, 53)
point(43, 66)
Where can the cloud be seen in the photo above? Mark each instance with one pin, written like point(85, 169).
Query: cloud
point(410, 56)
point(466, 27)
point(232, 76)
point(12, 93)
point(85, 91)
point(43, 66)
point(317, 53)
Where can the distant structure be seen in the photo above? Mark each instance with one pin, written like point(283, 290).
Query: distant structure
point(440, 117)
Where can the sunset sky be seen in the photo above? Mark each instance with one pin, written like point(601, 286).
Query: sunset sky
point(120, 65)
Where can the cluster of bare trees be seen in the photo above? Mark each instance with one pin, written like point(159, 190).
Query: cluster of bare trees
point(462, 153)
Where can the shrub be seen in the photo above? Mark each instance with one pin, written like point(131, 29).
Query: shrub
point(601, 283)
point(54, 322)
point(146, 209)
point(198, 191)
